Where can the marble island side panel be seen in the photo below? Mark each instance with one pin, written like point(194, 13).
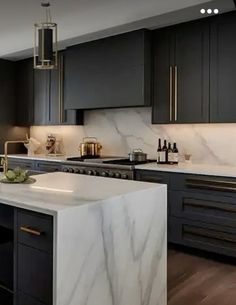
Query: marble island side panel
point(114, 252)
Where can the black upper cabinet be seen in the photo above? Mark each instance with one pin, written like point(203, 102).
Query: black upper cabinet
point(24, 92)
point(223, 67)
point(108, 73)
point(162, 110)
point(40, 96)
point(42, 105)
point(7, 92)
point(181, 74)
point(49, 98)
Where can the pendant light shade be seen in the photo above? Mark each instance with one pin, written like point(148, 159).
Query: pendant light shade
point(45, 42)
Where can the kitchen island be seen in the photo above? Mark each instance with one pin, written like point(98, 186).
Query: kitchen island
point(107, 244)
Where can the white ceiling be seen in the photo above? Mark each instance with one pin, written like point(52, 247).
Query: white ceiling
point(76, 18)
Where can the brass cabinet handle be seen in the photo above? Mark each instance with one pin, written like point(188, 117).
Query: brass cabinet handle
point(176, 93)
point(205, 204)
point(30, 231)
point(171, 92)
point(209, 234)
point(223, 186)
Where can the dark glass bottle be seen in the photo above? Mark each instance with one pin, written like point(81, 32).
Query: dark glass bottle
point(164, 151)
point(159, 150)
point(175, 154)
point(170, 159)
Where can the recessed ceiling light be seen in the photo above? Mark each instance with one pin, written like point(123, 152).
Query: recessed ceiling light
point(202, 11)
point(209, 11)
point(216, 11)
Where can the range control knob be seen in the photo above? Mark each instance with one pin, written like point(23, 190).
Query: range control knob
point(71, 170)
point(81, 171)
point(104, 174)
point(111, 174)
point(66, 170)
point(89, 172)
point(124, 176)
point(95, 173)
point(76, 171)
point(117, 175)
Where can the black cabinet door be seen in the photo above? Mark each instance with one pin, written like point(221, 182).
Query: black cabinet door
point(108, 73)
point(49, 98)
point(60, 116)
point(223, 66)
point(24, 92)
point(7, 92)
point(6, 297)
point(35, 274)
point(163, 61)
point(24, 299)
point(42, 105)
point(191, 73)
point(181, 74)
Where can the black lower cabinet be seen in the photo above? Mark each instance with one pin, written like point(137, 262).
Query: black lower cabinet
point(6, 254)
point(34, 258)
point(201, 210)
point(204, 236)
point(23, 299)
point(6, 297)
point(26, 257)
point(35, 274)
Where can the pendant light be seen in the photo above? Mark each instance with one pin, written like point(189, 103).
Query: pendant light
point(45, 42)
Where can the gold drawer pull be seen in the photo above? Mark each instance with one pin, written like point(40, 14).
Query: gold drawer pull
point(30, 231)
point(208, 234)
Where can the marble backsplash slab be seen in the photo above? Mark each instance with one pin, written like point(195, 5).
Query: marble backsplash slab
point(121, 130)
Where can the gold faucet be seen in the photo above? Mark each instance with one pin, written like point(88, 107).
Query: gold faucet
point(4, 161)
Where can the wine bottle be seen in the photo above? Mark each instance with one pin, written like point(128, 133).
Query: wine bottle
point(164, 153)
point(170, 157)
point(159, 150)
point(175, 154)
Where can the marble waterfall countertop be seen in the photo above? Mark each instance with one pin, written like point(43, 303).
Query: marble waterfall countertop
point(54, 192)
point(110, 237)
point(186, 168)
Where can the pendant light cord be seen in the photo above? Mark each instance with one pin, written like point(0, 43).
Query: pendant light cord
point(46, 5)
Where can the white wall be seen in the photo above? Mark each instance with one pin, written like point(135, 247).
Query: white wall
point(121, 130)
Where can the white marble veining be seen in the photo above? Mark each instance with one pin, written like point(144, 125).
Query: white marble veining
point(110, 237)
point(114, 252)
point(201, 169)
point(121, 130)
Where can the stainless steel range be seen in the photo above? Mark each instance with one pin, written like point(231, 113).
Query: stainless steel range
point(120, 168)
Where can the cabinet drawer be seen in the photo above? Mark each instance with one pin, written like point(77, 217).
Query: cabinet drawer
point(206, 208)
point(35, 230)
point(35, 274)
point(48, 167)
point(203, 236)
point(204, 184)
point(152, 176)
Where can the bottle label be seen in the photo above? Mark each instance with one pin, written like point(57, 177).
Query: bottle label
point(162, 155)
point(158, 157)
point(175, 157)
point(170, 157)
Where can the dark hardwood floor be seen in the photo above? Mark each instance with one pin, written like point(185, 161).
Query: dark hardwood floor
point(196, 280)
